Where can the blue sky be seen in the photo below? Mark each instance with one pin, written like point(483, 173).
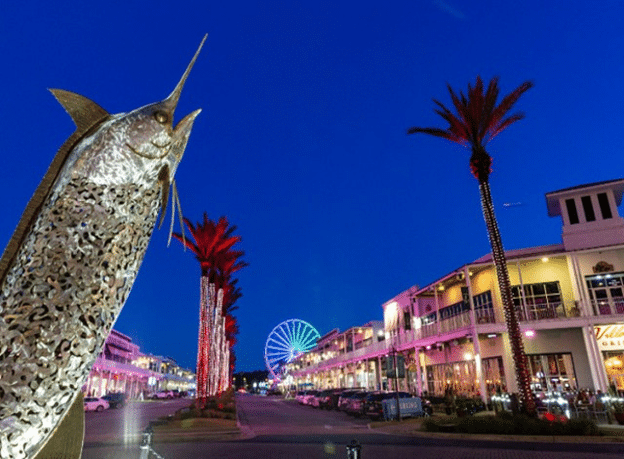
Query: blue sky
point(302, 144)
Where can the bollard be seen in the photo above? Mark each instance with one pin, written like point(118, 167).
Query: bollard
point(146, 442)
point(354, 450)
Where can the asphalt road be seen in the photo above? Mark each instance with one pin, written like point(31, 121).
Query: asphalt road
point(125, 425)
point(278, 429)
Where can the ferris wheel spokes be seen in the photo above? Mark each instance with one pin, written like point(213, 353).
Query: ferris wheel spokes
point(287, 341)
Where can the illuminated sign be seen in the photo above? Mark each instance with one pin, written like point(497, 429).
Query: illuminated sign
point(610, 337)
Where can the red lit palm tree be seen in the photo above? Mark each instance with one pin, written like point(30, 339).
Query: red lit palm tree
point(231, 293)
point(476, 121)
point(231, 331)
point(212, 244)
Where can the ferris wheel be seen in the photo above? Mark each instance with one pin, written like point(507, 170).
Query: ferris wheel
point(286, 342)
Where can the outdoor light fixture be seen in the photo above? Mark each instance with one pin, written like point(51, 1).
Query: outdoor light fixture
point(491, 335)
point(544, 259)
point(529, 333)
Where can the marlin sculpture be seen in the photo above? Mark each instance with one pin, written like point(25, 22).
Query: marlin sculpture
point(71, 262)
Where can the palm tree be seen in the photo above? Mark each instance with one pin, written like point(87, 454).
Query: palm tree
point(478, 119)
point(212, 244)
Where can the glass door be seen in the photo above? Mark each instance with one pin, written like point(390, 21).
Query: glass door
point(606, 293)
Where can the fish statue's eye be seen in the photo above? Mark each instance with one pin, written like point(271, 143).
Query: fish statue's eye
point(161, 117)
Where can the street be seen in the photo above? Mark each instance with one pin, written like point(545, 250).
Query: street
point(124, 425)
point(274, 428)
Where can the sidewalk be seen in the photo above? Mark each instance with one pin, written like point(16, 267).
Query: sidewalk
point(612, 433)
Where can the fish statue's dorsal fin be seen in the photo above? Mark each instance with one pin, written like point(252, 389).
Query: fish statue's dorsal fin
point(82, 110)
point(87, 115)
point(66, 441)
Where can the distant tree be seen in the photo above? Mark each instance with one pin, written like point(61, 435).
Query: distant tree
point(476, 121)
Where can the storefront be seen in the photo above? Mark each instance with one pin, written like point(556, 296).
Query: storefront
point(610, 340)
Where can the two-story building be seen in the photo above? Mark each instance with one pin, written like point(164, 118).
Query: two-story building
point(569, 298)
point(121, 367)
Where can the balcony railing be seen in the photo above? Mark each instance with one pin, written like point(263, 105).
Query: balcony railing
point(545, 311)
point(607, 308)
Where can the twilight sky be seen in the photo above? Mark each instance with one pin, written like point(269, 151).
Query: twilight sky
point(302, 144)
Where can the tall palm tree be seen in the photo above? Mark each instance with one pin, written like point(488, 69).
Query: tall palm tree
point(212, 244)
point(478, 119)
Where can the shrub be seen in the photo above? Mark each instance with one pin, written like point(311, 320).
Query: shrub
point(507, 424)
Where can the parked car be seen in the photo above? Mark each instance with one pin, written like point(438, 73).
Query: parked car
point(163, 394)
point(373, 404)
point(315, 399)
point(299, 396)
point(95, 404)
point(115, 400)
point(355, 404)
point(328, 399)
point(344, 398)
point(307, 398)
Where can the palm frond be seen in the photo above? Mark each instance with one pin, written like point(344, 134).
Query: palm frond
point(477, 119)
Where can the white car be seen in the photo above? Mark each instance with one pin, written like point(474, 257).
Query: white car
point(95, 404)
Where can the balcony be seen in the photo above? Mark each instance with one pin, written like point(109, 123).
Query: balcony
point(548, 311)
point(445, 326)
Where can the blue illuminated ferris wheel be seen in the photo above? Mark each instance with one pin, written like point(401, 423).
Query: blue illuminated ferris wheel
point(286, 342)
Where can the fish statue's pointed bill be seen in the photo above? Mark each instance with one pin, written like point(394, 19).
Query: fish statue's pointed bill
point(71, 262)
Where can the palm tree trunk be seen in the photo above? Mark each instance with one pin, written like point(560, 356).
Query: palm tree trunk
point(523, 377)
point(202, 364)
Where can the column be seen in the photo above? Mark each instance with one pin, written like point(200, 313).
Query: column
point(378, 372)
point(475, 340)
point(524, 304)
point(596, 363)
point(418, 372)
point(437, 307)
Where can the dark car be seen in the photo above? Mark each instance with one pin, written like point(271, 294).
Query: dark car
point(116, 400)
point(355, 404)
point(373, 407)
point(344, 398)
point(328, 398)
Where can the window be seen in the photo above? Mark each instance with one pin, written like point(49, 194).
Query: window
point(407, 321)
point(461, 377)
point(543, 301)
point(454, 310)
point(552, 372)
point(606, 293)
point(605, 208)
point(572, 213)
point(484, 308)
point(588, 208)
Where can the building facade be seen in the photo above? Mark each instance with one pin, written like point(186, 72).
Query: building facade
point(121, 367)
point(451, 333)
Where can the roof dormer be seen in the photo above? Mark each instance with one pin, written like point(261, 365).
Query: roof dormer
point(589, 213)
